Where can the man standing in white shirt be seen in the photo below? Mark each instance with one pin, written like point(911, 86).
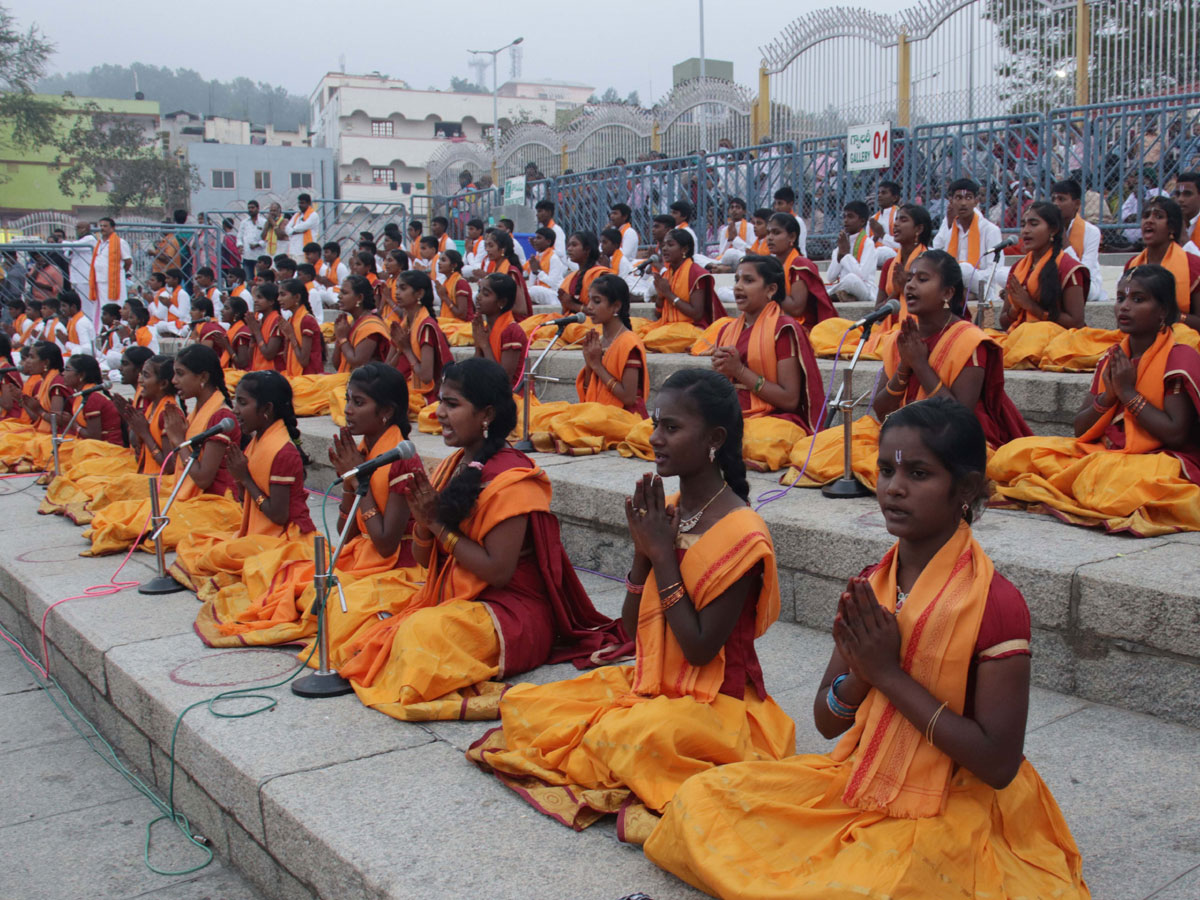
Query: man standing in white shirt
point(883, 223)
point(851, 271)
point(80, 254)
point(1080, 238)
point(250, 239)
point(618, 218)
point(785, 202)
point(304, 227)
point(970, 238)
point(111, 262)
point(1187, 195)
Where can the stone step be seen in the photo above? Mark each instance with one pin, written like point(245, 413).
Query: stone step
point(1114, 618)
point(325, 798)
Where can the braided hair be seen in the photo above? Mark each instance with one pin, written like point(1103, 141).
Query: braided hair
point(482, 383)
point(717, 402)
point(268, 386)
point(202, 359)
point(614, 289)
point(504, 241)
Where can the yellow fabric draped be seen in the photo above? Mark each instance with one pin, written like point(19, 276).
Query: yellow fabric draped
point(624, 735)
point(886, 814)
point(92, 465)
point(432, 658)
point(365, 326)
point(709, 337)
point(826, 336)
point(1136, 488)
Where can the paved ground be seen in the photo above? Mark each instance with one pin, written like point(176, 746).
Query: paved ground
point(71, 827)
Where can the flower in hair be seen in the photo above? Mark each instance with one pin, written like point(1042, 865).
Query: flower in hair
point(475, 465)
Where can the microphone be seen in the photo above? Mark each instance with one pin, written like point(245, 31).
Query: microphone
point(654, 260)
point(223, 427)
point(1003, 245)
point(105, 385)
point(200, 321)
point(891, 308)
point(8, 369)
point(564, 321)
point(403, 450)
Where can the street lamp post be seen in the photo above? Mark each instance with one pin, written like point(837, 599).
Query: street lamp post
point(495, 103)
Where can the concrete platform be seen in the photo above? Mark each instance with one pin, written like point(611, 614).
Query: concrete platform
point(330, 799)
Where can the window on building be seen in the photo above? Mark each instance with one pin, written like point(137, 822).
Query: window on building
point(383, 176)
point(222, 179)
point(302, 179)
point(447, 129)
point(262, 181)
point(381, 128)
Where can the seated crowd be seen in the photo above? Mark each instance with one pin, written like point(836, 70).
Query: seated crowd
point(456, 582)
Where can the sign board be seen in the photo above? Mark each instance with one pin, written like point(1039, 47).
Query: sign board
point(869, 147)
point(514, 189)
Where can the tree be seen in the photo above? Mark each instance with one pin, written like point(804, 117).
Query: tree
point(102, 152)
point(463, 86)
point(633, 99)
point(23, 57)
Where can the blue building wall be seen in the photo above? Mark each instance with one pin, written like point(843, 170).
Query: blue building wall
point(244, 160)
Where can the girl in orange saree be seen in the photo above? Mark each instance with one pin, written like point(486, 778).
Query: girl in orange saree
point(927, 794)
point(500, 596)
point(1134, 463)
point(703, 586)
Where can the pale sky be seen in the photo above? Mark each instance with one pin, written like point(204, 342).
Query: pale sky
point(628, 44)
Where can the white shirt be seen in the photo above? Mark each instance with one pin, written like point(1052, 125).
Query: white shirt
point(343, 272)
point(887, 218)
point(560, 243)
point(86, 333)
point(803, 235)
point(250, 240)
point(1191, 228)
point(81, 260)
point(629, 242)
point(847, 264)
point(989, 237)
point(1091, 257)
point(297, 227)
point(741, 238)
point(213, 293)
point(551, 275)
point(473, 259)
point(99, 262)
point(696, 251)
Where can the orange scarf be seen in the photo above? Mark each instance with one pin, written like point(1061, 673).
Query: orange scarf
point(895, 770)
point(614, 261)
point(948, 358)
point(616, 357)
point(451, 286)
point(496, 334)
point(293, 365)
point(238, 291)
point(760, 357)
point(891, 223)
point(114, 269)
point(415, 385)
point(742, 232)
point(475, 246)
point(493, 266)
point(43, 397)
point(231, 332)
point(568, 287)
point(543, 259)
point(173, 300)
point(892, 290)
point(1151, 384)
point(301, 217)
point(29, 389)
point(197, 422)
point(1075, 235)
point(759, 247)
point(143, 337)
point(270, 324)
point(720, 557)
point(1028, 274)
point(367, 325)
point(73, 328)
point(1175, 261)
point(1195, 235)
point(680, 280)
point(974, 240)
point(260, 455)
point(147, 465)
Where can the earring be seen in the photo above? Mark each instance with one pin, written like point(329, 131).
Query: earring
point(966, 509)
point(712, 454)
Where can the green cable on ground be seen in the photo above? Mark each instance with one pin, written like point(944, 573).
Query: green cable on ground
point(167, 810)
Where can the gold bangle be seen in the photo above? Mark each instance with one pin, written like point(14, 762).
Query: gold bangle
point(612, 382)
point(450, 541)
point(933, 723)
point(428, 542)
point(674, 597)
point(900, 393)
point(370, 514)
point(260, 500)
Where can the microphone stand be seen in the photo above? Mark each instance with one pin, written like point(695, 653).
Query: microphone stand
point(56, 439)
point(848, 486)
point(325, 682)
point(163, 583)
point(525, 444)
point(985, 301)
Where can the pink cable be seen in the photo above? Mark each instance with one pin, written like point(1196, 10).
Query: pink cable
point(112, 586)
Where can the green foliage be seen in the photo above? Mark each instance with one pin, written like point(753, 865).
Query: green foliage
point(186, 89)
point(101, 152)
point(464, 86)
point(610, 95)
point(23, 57)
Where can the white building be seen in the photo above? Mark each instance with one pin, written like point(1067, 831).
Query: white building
point(183, 127)
point(383, 133)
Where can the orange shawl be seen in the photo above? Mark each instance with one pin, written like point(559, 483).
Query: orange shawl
point(948, 358)
point(760, 357)
point(1028, 273)
point(415, 385)
point(892, 290)
point(231, 332)
point(1075, 235)
point(29, 389)
point(616, 357)
point(1151, 384)
point(146, 463)
point(973, 241)
point(73, 328)
point(380, 486)
point(114, 269)
point(292, 364)
point(365, 326)
point(895, 770)
point(543, 259)
point(43, 397)
point(567, 291)
point(1175, 261)
point(143, 336)
point(197, 422)
point(759, 247)
point(451, 287)
point(270, 324)
point(682, 286)
point(260, 455)
point(496, 334)
point(717, 560)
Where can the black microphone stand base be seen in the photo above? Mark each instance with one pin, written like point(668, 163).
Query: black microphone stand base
point(321, 684)
point(845, 489)
point(162, 584)
point(524, 445)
